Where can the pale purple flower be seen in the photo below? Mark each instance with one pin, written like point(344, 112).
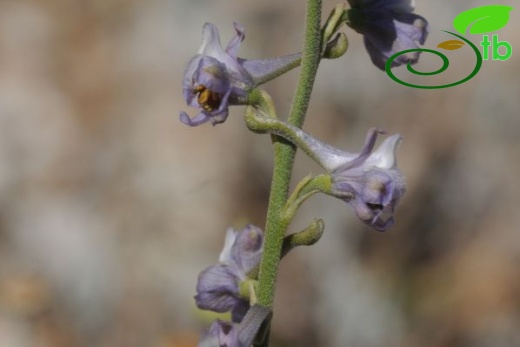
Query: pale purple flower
point(218, 285)
point(369, 181)
point(216, 78)
point(388, 27)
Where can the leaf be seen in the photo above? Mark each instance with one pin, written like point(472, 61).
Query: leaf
point(483, 19)
point(451, 45)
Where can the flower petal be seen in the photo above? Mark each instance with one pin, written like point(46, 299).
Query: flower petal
point(211, 41)
point(234, 44)
point(217, 288)
point(373, 193)
point(389, 27)
point(247, 249)
point(413, 25)
point(385, 156)
point(370, 142)
point(239, 311)
point(229, 241)
point(212, 47)
point(211, 73)
point(199, 119)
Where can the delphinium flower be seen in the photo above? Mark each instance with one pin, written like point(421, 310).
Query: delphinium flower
point(369, 181)
point(388, 27)
point(216, 77)
point(218, 287)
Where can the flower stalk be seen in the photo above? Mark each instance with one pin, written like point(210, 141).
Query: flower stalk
point(244, 279)
point(284, 153)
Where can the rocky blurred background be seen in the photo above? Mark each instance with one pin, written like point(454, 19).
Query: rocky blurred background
point(110, 207)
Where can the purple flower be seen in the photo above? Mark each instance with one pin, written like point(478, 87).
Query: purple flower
point(216, 78)
point(218, 285)
point(368, 181)
point(388, 26)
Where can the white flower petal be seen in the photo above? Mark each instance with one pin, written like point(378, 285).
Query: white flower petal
point(384, 157)
point(225, 255)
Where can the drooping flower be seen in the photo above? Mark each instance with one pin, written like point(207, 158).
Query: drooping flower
point(216, 78)
point(369, 181)
point(218, 285)
point(388, 27)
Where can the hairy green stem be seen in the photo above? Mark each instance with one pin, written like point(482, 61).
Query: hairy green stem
point(284, 153)
point(310, 62)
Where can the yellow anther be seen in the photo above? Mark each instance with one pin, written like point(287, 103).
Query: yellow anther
point(207, 99)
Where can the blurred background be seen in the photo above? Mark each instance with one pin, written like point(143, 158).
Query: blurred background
point(110, 207)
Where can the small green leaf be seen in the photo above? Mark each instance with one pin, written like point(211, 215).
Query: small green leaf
point(483, 19)
point(451, 45)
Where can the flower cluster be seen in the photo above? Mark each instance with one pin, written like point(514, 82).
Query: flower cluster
point(218, 290)
point(216, 77)
point(369, 181)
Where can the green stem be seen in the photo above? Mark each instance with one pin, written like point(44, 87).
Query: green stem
point(310, 62)
point(284, 153)
point(260, 122)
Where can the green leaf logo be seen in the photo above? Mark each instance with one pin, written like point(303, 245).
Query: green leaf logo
point(483, 19)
